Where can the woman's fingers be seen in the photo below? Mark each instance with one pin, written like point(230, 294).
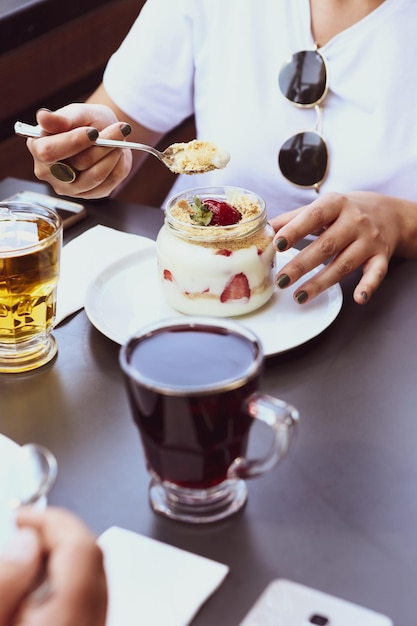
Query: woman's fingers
point(74, 116)
point(298, 224)
point(353, 233)
point(97, 170)
point(85, 159)
point(75, 572)
point(20, 563)
point(64, 145)
point(333, 272)
point(374, 272)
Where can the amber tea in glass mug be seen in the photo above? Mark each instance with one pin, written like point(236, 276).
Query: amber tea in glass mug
point(193, 386)
point(30, 246)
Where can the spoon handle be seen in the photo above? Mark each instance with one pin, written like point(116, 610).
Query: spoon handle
point(27, 130)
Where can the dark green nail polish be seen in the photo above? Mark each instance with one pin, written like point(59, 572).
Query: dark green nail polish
point(364, 296)
point(281, 243)
point(283, 280)
point(125, 129)
point(301, 297)
point(92, 134)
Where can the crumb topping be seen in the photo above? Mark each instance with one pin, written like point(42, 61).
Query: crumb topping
point(196, 157)
point(241, 235)
point(247, 206)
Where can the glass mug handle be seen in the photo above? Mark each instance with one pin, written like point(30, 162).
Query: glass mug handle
point(282, 418)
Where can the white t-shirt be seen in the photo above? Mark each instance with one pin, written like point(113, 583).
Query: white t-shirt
point(220, 60)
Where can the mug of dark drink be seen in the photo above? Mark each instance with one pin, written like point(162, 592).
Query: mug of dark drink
point(193, 388)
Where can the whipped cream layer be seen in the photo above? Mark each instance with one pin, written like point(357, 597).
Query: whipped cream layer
point(212, 270)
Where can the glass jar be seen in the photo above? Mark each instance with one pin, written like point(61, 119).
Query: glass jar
point(216, 270)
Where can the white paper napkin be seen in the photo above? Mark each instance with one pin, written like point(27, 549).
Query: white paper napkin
point(87, 255)
point(152, 583)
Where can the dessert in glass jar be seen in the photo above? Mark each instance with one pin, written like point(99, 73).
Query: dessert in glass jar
point(215, 252)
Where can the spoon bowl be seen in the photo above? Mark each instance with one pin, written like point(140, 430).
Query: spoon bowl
point(33, 474)
point(27, 474)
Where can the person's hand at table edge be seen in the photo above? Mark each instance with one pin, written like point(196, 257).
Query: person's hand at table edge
point(358, 229)
point(58, 543)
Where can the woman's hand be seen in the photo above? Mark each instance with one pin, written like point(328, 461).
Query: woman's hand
point(76, 591)
point(69, 134)
point(356, 229)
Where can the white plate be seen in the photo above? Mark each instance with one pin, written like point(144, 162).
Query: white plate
point(8, 452)
point(126, 296)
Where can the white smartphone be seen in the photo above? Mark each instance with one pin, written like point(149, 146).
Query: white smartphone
point(70, 212)
point(286, 603)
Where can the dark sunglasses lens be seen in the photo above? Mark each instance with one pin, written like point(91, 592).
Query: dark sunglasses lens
point(303, 79)
point(303, 159)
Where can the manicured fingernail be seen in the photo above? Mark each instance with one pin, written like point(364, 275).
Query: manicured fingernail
point(301, 297)
point(364, 296)
point(281, 243)
point(92, 134)
point(22, 546)
point(125, 129)
point(283, 280)
point(45, 109)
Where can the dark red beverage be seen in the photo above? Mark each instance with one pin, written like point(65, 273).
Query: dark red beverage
point(187, 388)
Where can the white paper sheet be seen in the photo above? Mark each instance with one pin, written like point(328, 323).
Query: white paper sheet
point(152, 583)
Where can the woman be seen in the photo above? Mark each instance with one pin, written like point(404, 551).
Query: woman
point(355, 141)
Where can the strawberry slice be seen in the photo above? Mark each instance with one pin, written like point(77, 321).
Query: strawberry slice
point(168, 276)
point(236, 288)
point(223, 214)
point(212, 212)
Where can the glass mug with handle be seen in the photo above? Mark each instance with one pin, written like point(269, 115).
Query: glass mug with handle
point(193, 388)
point(30, 248)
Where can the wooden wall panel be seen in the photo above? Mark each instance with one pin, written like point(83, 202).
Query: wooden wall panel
point(64, 65)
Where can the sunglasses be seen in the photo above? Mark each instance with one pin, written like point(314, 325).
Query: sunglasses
point(303, 158)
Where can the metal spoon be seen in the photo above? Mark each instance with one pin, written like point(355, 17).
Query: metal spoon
point(33, 474)
point(172, 156)
point(29, 477)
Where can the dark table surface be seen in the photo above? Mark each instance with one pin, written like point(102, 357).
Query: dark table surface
point(339, 514)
